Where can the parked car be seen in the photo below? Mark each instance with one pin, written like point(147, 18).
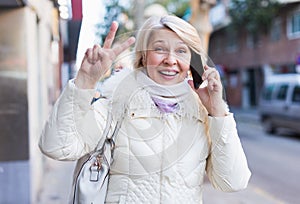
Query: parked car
point(279, 105)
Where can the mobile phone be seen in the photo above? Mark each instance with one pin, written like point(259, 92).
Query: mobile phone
point(196, 67)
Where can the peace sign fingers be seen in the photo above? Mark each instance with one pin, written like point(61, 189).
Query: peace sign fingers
point(123, 46)
point(98, 60)
point(117, 50)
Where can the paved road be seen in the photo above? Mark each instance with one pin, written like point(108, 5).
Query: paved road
point(274, 160)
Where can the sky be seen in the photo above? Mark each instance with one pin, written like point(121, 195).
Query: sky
point(93, 12)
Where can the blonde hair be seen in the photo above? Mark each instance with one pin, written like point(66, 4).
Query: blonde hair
point(186, 32)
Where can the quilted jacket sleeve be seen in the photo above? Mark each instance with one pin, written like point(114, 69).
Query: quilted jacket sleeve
point(227, 166)
point(72, 130)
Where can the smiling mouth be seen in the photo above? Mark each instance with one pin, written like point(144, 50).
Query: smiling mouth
point(168, 73)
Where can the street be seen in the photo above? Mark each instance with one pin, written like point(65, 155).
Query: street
point(275, 165)
point(273, 160)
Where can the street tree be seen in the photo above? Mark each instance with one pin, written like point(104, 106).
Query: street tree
point(253, 15)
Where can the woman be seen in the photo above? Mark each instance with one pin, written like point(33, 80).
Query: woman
point(171, 134)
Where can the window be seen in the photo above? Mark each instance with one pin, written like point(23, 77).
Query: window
point(218, 46)
point(267, 92)
point(294, 25)
point(296, 94)
point(282, 92)
point(252, 40)
point(275, 33)
point(231, 41)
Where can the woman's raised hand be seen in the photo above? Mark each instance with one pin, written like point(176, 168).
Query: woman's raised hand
point(98, 60)
point(211, 92)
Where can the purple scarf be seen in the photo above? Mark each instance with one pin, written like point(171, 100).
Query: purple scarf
point(165, 106)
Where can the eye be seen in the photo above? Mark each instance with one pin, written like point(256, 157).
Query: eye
point(160, 49)
point(183, 51)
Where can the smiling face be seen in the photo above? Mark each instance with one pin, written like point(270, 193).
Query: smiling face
point(168, 57)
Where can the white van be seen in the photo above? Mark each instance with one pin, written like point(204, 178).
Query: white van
point(279, 105)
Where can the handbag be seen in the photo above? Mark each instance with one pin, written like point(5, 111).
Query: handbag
point(91, 182)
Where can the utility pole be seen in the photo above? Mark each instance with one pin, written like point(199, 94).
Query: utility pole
point(200, 19)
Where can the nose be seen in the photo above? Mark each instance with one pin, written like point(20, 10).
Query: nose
point(170, 59)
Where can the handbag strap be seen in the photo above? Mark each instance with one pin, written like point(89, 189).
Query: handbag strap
point(105, 131)
point(109, 138)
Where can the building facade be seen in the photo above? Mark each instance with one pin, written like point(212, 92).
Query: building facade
point(246, 60)
point(29, 84)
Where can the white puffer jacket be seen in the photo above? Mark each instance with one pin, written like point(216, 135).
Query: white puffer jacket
point(159, 158)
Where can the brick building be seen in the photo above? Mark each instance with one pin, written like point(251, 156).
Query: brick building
point(247, 61)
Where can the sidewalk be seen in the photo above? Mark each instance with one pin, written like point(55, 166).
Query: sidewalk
point(58, 180)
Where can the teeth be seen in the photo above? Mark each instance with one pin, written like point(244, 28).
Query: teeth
point(169, 73)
